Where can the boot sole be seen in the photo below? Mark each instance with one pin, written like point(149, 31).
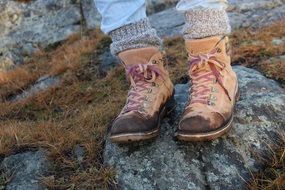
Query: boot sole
point(209, 135)
point(134, 137)
point(142, 136)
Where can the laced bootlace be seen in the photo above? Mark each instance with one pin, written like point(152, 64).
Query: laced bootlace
point(201, 77)
point(142, 77)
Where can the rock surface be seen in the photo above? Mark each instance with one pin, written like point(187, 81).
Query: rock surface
point(25, 27)
point(90, 13)
point(41, 84)
point(25, 169)
point(225, 163)
point(154, 6)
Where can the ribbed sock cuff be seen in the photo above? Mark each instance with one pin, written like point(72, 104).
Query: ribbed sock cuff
point(205, 23)
point(134, 35)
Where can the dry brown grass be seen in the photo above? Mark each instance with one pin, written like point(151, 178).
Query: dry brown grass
point(254, 48)
point(273, 175)
point(77, 112)
point(66, 57)
point(80, 109)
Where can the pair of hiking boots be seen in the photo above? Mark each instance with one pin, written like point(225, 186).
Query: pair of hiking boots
point(209, 111)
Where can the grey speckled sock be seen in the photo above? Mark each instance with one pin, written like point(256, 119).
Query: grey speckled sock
point(205, 23)
point(135, 35)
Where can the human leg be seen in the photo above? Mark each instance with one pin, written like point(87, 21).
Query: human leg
point(126, 23)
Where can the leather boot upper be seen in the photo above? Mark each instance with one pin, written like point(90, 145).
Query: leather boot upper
point(214, 86)
point(150, 89)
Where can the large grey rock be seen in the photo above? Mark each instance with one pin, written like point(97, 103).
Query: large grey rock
point(224, 163)
point(36, 24)
point(42, 21)
point(256, 18)
point(168, 22)
point(154, 6)
point(91, 15)
point(250, 5)
point(26, 169)
point(10, 59)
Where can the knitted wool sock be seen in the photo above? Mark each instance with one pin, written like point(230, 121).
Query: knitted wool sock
point(205, 23)
point(135, 35)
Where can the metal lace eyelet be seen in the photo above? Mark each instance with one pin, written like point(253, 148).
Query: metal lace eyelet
point(154, 62)
point(213, 98)
point(155, 84)
point(210, 103)
point(141, 109)
point(219, 50)
point(214, 90)
point(146, 99)
point(145, 104)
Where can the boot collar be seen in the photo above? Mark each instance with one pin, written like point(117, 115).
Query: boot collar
point(138, 56)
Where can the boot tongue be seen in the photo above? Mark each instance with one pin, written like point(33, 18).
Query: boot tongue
point(203, 46)
point(137, 56)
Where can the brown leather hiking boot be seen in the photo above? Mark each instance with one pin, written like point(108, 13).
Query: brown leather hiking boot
point(209, 112)
point(151, 90)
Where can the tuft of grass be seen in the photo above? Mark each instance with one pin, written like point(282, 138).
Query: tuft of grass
point(274, 68)
point(256, 48)
point(272, 177)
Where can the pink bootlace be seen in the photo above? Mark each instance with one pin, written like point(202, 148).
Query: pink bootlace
point(201, 90)
point(142, 76)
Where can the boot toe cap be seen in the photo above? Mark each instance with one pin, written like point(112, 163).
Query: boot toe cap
point(133, 124)
point(199, 124)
